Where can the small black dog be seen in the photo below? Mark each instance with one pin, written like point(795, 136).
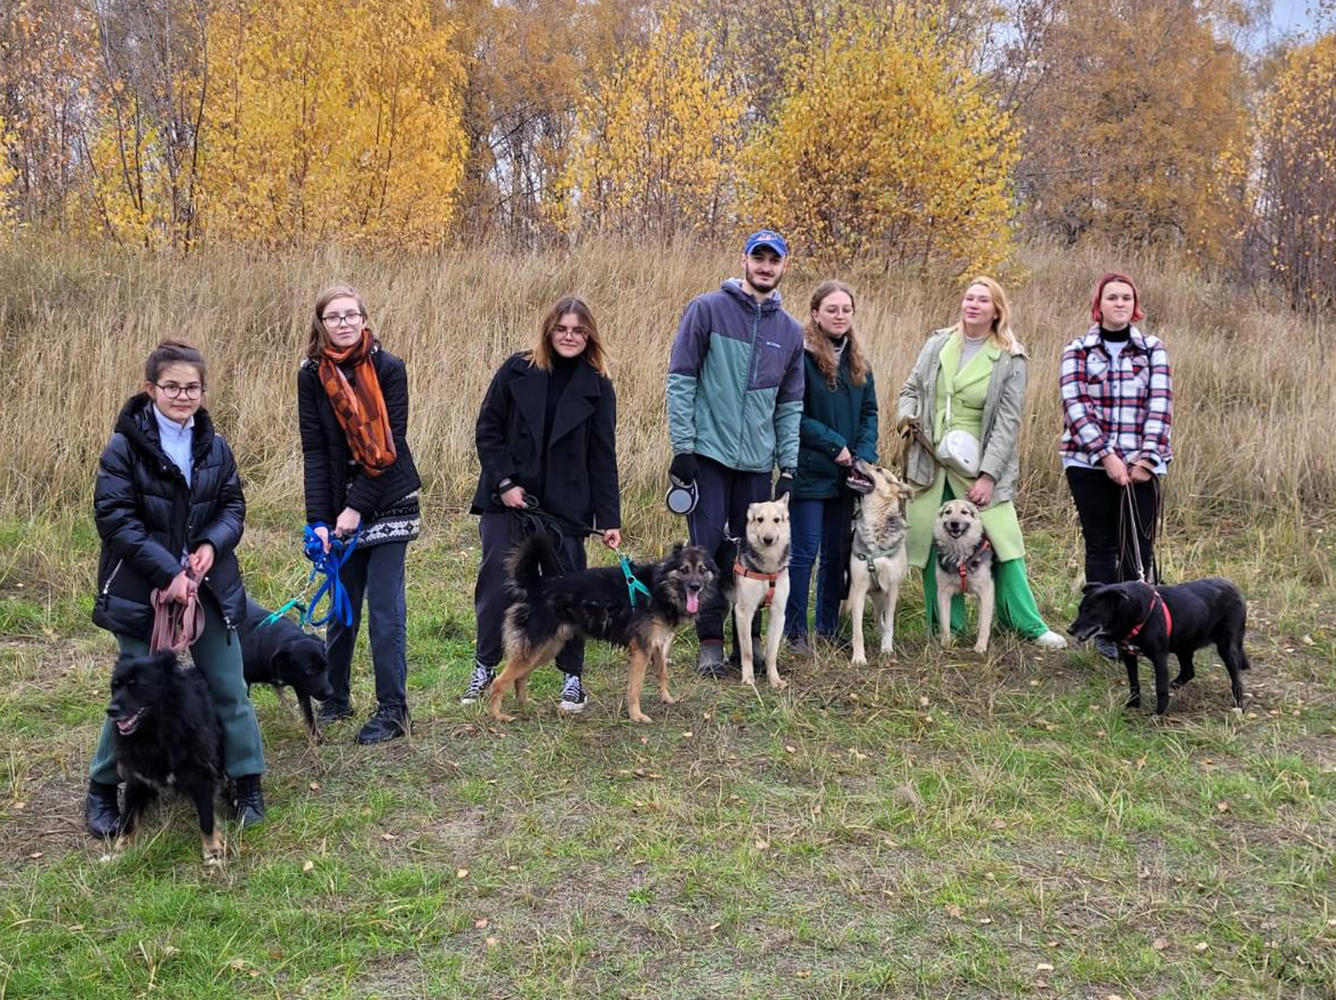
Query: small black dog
point(167, 737)
point(281, 654)
point(549, 607)
point(1158, 621)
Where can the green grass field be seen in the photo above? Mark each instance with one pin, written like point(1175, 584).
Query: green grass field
point(946, 826)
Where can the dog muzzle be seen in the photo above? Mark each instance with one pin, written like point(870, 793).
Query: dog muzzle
point(681, 497)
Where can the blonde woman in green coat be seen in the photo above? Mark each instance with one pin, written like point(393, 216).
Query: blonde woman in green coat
point(976, 370)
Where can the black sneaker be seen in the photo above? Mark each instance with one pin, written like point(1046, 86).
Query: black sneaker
point(1107, 649)
point(478, 683)
point(572, 695)
point(248, 805)
point(388, 723)
point(334, 711)
point(711, 663)
point(102, 815)
point(798, 647)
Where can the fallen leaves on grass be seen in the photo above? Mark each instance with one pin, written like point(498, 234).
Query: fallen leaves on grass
point(462, 873)
point(480, 923)
point(308, 866)
point(1160, 943)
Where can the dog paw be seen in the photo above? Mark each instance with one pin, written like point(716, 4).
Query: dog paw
point(640, 717)
point(858, 661)
point(502, 717)
point(981, 648)
point(668, 699)
point(778, 683)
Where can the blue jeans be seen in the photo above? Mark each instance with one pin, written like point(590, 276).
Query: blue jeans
point(721, 510)
point(816, 526)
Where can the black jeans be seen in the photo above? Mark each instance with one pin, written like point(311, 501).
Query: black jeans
point(723, 495)
point(1104, 517)
point(376, 573)
point(499, 534)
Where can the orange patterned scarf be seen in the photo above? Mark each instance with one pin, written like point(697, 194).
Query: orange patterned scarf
point(360, 406)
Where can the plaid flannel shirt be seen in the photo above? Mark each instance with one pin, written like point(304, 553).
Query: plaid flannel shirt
point(1124, 407)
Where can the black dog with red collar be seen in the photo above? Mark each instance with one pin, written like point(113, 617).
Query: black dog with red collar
point(1157, 621)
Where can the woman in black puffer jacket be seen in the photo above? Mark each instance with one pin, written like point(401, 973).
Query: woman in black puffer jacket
point(169, 509)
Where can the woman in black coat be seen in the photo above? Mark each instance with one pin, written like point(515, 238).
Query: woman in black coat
point(546, 435)
point(360, 481)
point(169, 510)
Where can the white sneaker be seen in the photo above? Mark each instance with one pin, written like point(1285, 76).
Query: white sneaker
point(1050, 640)
point(572, 695)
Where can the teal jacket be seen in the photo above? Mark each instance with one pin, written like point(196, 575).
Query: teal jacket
point(735, 381)
point(833, 419)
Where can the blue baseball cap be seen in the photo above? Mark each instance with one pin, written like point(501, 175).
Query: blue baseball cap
point(766, 238)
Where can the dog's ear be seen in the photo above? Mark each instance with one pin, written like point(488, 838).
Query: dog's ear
point(783, 501)
point(677, 550)
point(1090, 587)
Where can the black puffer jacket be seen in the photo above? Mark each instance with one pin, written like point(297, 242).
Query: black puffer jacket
point(329, 485)
point(147, 516)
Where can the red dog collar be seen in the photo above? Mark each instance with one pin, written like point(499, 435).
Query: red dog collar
point(1155, 601)
point(751, 574)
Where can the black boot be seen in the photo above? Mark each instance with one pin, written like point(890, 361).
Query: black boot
point(249, 801)
point(333, 711)
point(102, 815)
point(389, 723)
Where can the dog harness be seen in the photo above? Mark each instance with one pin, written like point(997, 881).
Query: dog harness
point(1155, 600)
point(756, 574)
point(634, 588)
point(872, 555)
point(972, 561)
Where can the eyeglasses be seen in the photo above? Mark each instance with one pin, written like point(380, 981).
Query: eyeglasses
point(338, 319)
point(173, 391)
point(561, 330)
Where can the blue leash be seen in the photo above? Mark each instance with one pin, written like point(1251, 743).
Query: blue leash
point(633, 585)
point(327, 565)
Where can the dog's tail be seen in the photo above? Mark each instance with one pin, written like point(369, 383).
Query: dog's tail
point(532, 559)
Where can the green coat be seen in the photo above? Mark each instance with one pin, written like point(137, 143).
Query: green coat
point(832, 420)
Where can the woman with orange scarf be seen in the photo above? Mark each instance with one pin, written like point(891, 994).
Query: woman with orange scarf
point(352, 398)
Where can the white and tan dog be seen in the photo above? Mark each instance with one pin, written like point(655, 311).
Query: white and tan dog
point(964, 566)
point(761, 579)
point(877, 562)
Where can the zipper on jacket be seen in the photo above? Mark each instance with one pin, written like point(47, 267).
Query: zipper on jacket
point(114, 570)
point(751, 371)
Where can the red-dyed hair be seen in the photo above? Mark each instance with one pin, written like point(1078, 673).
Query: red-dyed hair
point(1095, 314)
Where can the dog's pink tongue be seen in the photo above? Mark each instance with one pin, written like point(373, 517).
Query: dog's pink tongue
point(693, 603)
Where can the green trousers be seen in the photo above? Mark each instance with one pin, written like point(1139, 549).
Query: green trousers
point(1014, 606)
point(217, 655)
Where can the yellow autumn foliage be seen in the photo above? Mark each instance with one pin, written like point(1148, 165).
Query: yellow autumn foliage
point(332, 120)
point(655, 139)
point(1297, 207)
point(886, 147)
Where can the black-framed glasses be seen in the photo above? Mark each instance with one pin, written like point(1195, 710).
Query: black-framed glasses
point(338, 319)
point(562, 330)
point(173, 391)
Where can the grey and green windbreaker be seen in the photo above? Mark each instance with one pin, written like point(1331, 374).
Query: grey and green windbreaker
point(735, 381)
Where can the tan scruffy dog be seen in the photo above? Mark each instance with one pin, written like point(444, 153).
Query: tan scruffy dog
point(964, 566)
point(877, 562)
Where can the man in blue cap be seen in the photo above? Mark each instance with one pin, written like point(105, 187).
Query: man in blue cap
point(735, 399)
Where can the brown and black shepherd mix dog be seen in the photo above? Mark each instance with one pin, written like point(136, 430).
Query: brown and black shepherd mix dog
point(549, 607)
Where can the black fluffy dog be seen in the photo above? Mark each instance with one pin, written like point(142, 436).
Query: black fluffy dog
point(548, 607)
point(281, 654)
point(167, 737)
point(1158, 621)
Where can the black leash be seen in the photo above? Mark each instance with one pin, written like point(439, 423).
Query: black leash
point(1129, 526)
point(531, 520)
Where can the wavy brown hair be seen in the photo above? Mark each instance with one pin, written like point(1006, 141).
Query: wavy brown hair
point(318, 339)
point(541, 355)
point(818, 343)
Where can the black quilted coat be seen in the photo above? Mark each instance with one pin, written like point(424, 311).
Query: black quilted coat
point(332, 480)
point(147, 516)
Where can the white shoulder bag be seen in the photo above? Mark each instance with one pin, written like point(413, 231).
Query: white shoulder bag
point(958, 451)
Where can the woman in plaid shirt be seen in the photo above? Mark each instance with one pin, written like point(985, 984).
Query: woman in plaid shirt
point(1117, 405)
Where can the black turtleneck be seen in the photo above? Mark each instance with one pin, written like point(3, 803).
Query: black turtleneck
point(557, 381)
point(1115, 336)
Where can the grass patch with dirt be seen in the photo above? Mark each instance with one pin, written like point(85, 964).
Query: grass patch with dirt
point(946, 825)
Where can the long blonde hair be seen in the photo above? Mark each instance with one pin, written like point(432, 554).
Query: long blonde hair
point(820, 346)
point(1002, 332)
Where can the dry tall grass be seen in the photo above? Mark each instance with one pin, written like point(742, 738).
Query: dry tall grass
point(1255, 409)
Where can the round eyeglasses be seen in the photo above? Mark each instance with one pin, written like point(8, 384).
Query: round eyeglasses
point(173, 391)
